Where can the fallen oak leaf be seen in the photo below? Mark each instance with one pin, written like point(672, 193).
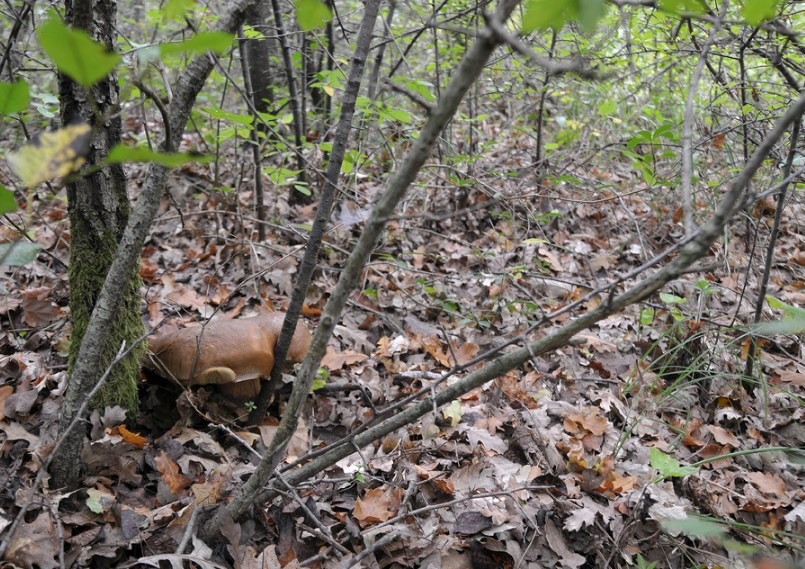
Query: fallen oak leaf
point(176, 481)
point(333, 360)
point(376, 505)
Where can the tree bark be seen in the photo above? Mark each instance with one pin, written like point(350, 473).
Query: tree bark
point(99, 210)
point(258, 53)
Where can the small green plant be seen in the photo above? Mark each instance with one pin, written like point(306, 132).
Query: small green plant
point(322, 375)
point(674, 302)
point(641, 563)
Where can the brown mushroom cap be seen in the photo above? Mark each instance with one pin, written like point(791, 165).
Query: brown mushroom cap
point(232, 353)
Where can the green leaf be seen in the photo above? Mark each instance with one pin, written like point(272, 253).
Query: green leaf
point(683, 6)
point(49, 105)
point(123, 153)
point(175, 10)
point(758, 11)
point(18, 253)
point(695, 526)
point(311, 14)
point(75, 53)
point(793, 321)
point(51, 154)
point(590, 13)
point(217, 113)
point(7, 201)
point(668, 298)
point(423, 88)
point(668, 466)
point(99, 501)
point(544, 14)
point(14, 97)
point(251, 33)
point(302, 189)
point(395, 115)
point(607, 108)
point(216, 42)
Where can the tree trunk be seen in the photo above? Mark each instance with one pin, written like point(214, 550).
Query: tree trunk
point(257, 54)
point(112, 300)
point(99, 210)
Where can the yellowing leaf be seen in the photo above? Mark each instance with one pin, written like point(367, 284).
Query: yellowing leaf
point(453, 413)
point(99, 500)
point(51, 154)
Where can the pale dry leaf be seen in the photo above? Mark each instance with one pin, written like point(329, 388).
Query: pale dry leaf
point(556, 541)
point(770, 484)
point(580, 518)
point(5, 391)
point(795, 378)
point(298, 445)
point(16, 432)
point(483, 437)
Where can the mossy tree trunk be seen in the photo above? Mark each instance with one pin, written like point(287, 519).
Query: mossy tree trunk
point(99, 210)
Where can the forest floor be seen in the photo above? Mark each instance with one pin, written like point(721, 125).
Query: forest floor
point(576, 460)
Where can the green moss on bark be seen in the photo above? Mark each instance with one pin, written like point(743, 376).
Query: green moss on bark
point(90, 259)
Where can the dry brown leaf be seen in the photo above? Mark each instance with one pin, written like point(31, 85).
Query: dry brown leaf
point(589, 420)
point(376, 505)
point(723, 436)
point(33, 545)
point(433, 346)
point(333, 360)
point(188, 298)
point(5, 391)
point(37, 307)
point(298, 445)
point(176, 481)
point(767, 483)
point(796, 378)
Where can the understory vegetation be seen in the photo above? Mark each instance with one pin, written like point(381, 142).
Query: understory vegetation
point(552, 254)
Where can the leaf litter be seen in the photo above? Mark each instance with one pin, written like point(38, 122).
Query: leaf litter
point(546, 466)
